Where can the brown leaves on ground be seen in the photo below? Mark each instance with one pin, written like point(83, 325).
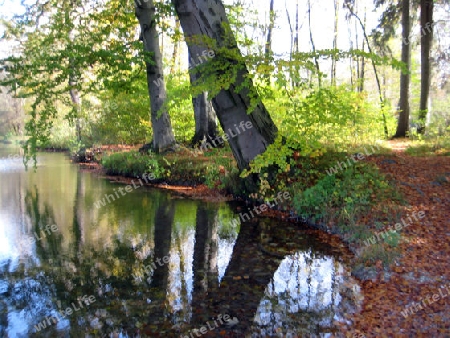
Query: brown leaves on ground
point(424, 268)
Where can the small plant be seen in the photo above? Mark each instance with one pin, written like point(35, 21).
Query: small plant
point(344, 196)
point(377, 252)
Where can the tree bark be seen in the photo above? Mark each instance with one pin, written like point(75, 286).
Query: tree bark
point(205, 118)
point(204, 21)
point(205, 123)
point(403, 120)
point(335, 37)
point(363, 27)
point(73, 79)
point(362, 68)
point(316, 62)
point(292, 70)
point(163, 137)
point(268, 46)
point(426, 25)
point(176, 45)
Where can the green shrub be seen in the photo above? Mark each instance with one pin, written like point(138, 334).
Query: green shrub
point(343, 197)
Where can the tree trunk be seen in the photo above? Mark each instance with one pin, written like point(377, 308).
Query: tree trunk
point(205, 117)
point(316, 62)
point(163, 137)
point(73, 81)
point(204, 264)
point(176, 46)
point(405, 78)
point(335, 37)
point(377, 79)
point(206, 20)
point(351, 61)
point(292, 71)
point(362, 70)
point(426, 24)
point(268, 47)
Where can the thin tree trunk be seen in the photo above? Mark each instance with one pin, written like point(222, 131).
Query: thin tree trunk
point(386, 132)
point(206, 20)
point(268, 46)
point(357, 58)
point(335, 37)
point(163, 137)
point(316, 62)
point(405, 78)
point(426, 25)
point(351, 62)
point(176, 46)
point(73, 81)
point(362, 73)
point(296, 42)
point(291, 72)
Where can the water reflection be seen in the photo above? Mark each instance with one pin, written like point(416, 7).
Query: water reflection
point(156, 265)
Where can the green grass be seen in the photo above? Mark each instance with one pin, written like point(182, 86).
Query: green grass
point(181, 167)
point(430, 146)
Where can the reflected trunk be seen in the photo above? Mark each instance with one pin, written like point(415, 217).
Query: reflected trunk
point(206, 273)
point(163, 237)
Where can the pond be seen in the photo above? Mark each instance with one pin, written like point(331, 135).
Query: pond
point(144, 262)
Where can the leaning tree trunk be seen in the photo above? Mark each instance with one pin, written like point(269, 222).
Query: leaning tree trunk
point(206, 21)
point(426, 25)
point(405, 78)
point(163, 137)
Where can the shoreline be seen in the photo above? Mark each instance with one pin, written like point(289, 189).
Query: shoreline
point(425, 188)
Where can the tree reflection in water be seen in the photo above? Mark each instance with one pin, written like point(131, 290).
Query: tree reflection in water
point(273, 277)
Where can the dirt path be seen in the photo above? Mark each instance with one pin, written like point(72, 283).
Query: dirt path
point(419, 285)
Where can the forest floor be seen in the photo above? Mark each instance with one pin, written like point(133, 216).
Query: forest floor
point(411, 298)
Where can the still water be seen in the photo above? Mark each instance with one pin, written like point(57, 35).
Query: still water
point(150, 264)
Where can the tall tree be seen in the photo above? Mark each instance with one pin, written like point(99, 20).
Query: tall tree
point(426, 25)
point(74, 73)
point(405, 77)
point(268, 46)
point(316, 61)
point(65, 50)
point(349, 5)
point(294, 71)
point(205, 25)
point(163, 137)
point(335, 37)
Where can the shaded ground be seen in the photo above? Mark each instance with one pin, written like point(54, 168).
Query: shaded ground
point(424, 269)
